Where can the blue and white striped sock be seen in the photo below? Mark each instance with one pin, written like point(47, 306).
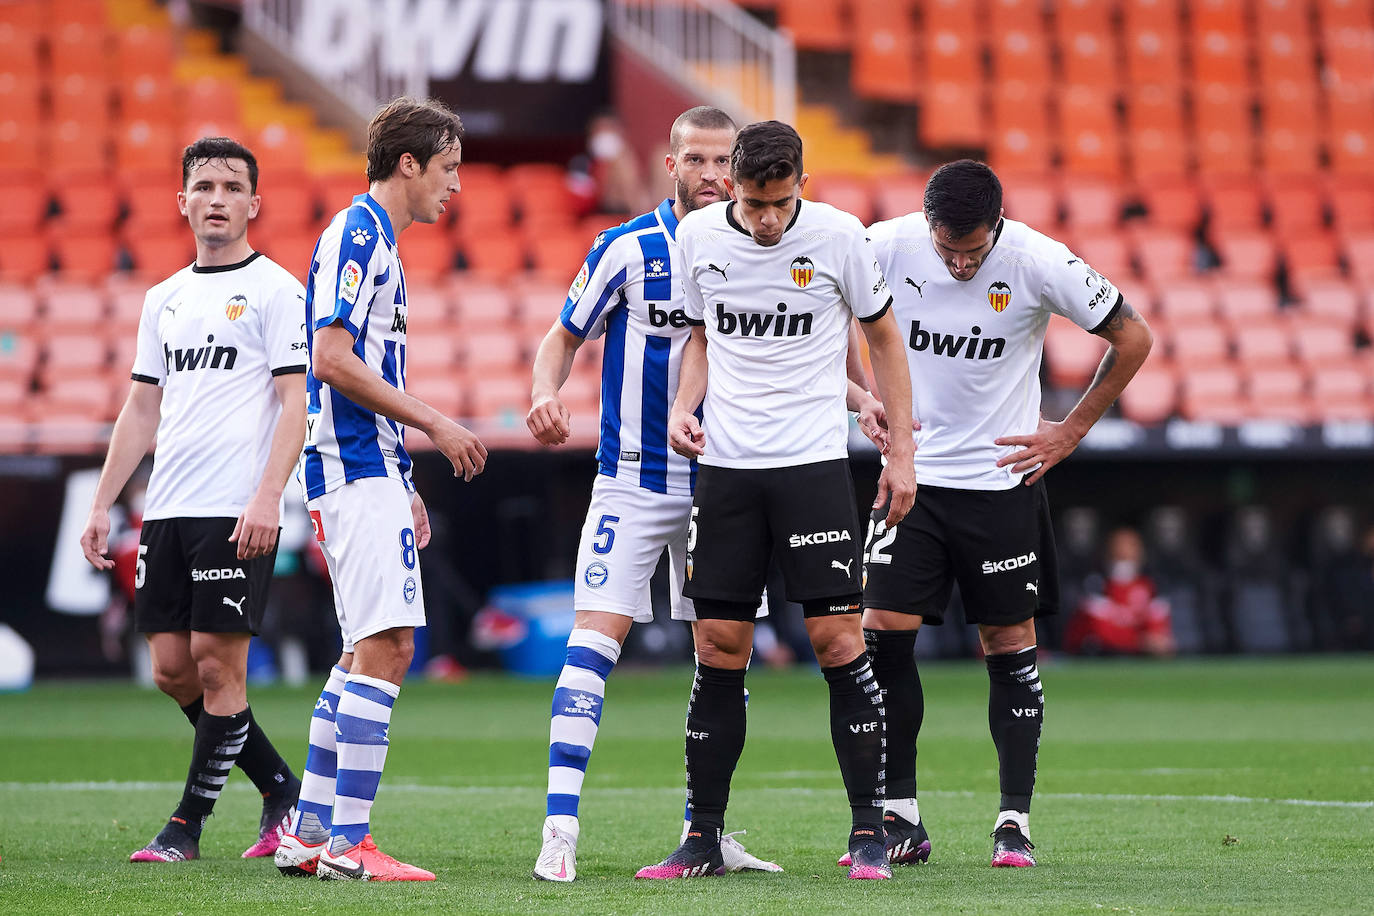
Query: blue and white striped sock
point(314, 810)
point(574, 719)
point(361, 731)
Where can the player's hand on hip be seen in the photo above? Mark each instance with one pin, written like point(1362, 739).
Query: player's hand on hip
point(95, 540)
point(685, 434)
point(896, 490)
point(461, 447)
point(255, 532)
point(1050, 444)
point(420, 516)
point(548, 420)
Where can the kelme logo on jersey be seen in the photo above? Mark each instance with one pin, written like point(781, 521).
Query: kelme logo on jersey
point(655, 269)
point(967, 346)
point(752, 324)
point(207, 357)
point(596, 574)
point(802, 271)
point(235, 307)
point(999, 296)
point(579, 283)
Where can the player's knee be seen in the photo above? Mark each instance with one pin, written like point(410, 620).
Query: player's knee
point(178, 682)
point(1006, 640)
point(216, 676)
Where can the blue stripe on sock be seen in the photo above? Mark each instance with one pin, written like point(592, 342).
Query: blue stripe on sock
point(354, 833)
point(322, 712)
point(358, 783)
point(577, 704)
point(353, 730)
point(590, 659)
point(324, 812)
point(562, 804)
point(321, 762)
point(569, 755)
point(368, 692)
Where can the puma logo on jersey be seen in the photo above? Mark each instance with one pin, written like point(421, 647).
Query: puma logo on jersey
point(238, 606)
point(1032, 587)
point(968, 346)
point(917, 286)
point(836, 564)
point(720, 270)
point(753, 324)
point(1010, 563)
point(206, 357)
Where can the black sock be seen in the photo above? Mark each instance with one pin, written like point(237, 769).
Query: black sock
point(258, 759)
point(1016, 707)
point(261, 762)
point(715, 739)
point(894, 665)
point(860, 738)
point(218, 742)
point(193, 709)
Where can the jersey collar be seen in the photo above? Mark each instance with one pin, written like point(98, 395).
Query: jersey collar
point(734, 224)
point(378, 213)
point(221, 268)
point(668, 217)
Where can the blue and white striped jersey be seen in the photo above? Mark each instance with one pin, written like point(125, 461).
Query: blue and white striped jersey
point(628, 289)
point(357, 281)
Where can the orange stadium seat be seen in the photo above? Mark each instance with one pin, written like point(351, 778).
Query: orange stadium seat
point(1187, 303)
point(536, 304)
point(1159, 155)
point(1348, 53)
point(900, 195)
point(851, 194)
point(1340, 388)
point(1225, 153)
point(1220, 57)
point(1295, 206)
point(72, 355)
point(84, 98)
point(158, 256)
point(1234, 205)
point(1278, 393)
point(18, 354)
point(504, 398)
point(93, 398)
point(1286, 56)
point(1351, 203)
point(21, 96)
point(151, 198)
point(26, 206)
point(1313, 254)
point(1155, 107)
point(1021, 54)
point(1152, 395)
point(1164, 255)
point(484, 351)
point(1332, 300)
point(24, 258)
point(1015, 15)
point(213, 99)
point(1291, 16)
point(1018, 149)
point(21, 146)
point(1033, 202)
point(484, 206)
point(1071, 354)
point(19, 306)
point(1197, 345)
point(1285, 151)
point(1351, 152)
point(948, 14)
point(428, 255)
point(335, 190)
point(147, 146)
point(1091, 204)
point(1211, 394)
point(148, 98)
point(143, 50)
point(1223, 15)
point(950, 55)
point(73, 147)
point(1350, 13)
point(442, 390)
point(1262, 343)
point(288, 205)
point(86, 204)
point(1222, 107)
point(79, 46)
point(816, 25)
point(435, 352)
point(559, 252)
point(1246, 255)
point(1107, 253)
point(87, 256)
point(1089, 56)
point(952, 116)
point(1358, 248)
point(1020, 105)
point(1320, 344)
point(1153, 56)
point(885, 55)
point(479, 304)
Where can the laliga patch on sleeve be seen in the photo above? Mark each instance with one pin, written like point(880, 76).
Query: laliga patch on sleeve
point(579, 283)
point(350, 281)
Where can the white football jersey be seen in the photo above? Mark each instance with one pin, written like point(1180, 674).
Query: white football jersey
point(214, 338)
point(777, 325)
point(627, 290)
point(974, 346)
point(356, 280)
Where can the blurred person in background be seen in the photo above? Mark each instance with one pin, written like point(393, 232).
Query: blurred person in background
point(219, 380)
point(1122, 613)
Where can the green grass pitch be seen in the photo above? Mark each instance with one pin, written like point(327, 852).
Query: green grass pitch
point(1201, 786)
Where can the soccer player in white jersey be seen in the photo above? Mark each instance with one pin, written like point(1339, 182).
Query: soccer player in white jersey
point(219, 380)
point(772, 284)
point(628, 290)
point(973, 295)
point(369, 521)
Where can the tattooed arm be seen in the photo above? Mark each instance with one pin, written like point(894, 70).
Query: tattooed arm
point(1130, 340)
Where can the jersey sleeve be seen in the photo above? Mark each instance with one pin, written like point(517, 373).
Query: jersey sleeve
point(694, 304)
point(344, 283)
point(1076, 291)
point(284, 328)
point(862, 282)
point(149, 363)
point(595, 291)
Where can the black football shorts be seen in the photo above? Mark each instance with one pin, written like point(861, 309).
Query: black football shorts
point(189, 578)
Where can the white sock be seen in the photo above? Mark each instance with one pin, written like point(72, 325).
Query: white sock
point(1019, 818)
point(904, 808)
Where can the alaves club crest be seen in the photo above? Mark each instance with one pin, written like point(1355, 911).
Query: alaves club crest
point(235, 307)
point(802, 271)
point(999, 296)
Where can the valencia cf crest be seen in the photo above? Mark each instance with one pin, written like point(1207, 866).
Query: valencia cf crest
point(235, 307)
point(999, 296)
point(802, 271)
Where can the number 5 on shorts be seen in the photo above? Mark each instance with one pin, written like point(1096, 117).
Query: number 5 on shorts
point(604, 530)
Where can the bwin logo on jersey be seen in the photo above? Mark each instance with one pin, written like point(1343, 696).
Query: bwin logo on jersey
point(969, 347)
point(207, 357)
point(818, 537)
point(1010, 563)
point(398, 322)
point(211, 575)
point(752, 324)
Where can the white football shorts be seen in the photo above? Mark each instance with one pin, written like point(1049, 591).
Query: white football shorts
point(625, 533)
point(367, 535)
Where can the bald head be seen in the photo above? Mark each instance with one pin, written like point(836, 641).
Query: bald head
point(703, 117)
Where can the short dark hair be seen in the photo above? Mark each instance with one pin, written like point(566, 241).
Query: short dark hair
point(421, 128)
point(766, 151)
point(703, 117)
point(962, 196)
point(209, 149)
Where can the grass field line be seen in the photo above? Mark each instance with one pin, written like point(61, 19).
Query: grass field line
point(137, 786)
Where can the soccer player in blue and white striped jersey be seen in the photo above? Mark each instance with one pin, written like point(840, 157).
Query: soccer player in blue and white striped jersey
point(628, 291)
point(368, 518)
